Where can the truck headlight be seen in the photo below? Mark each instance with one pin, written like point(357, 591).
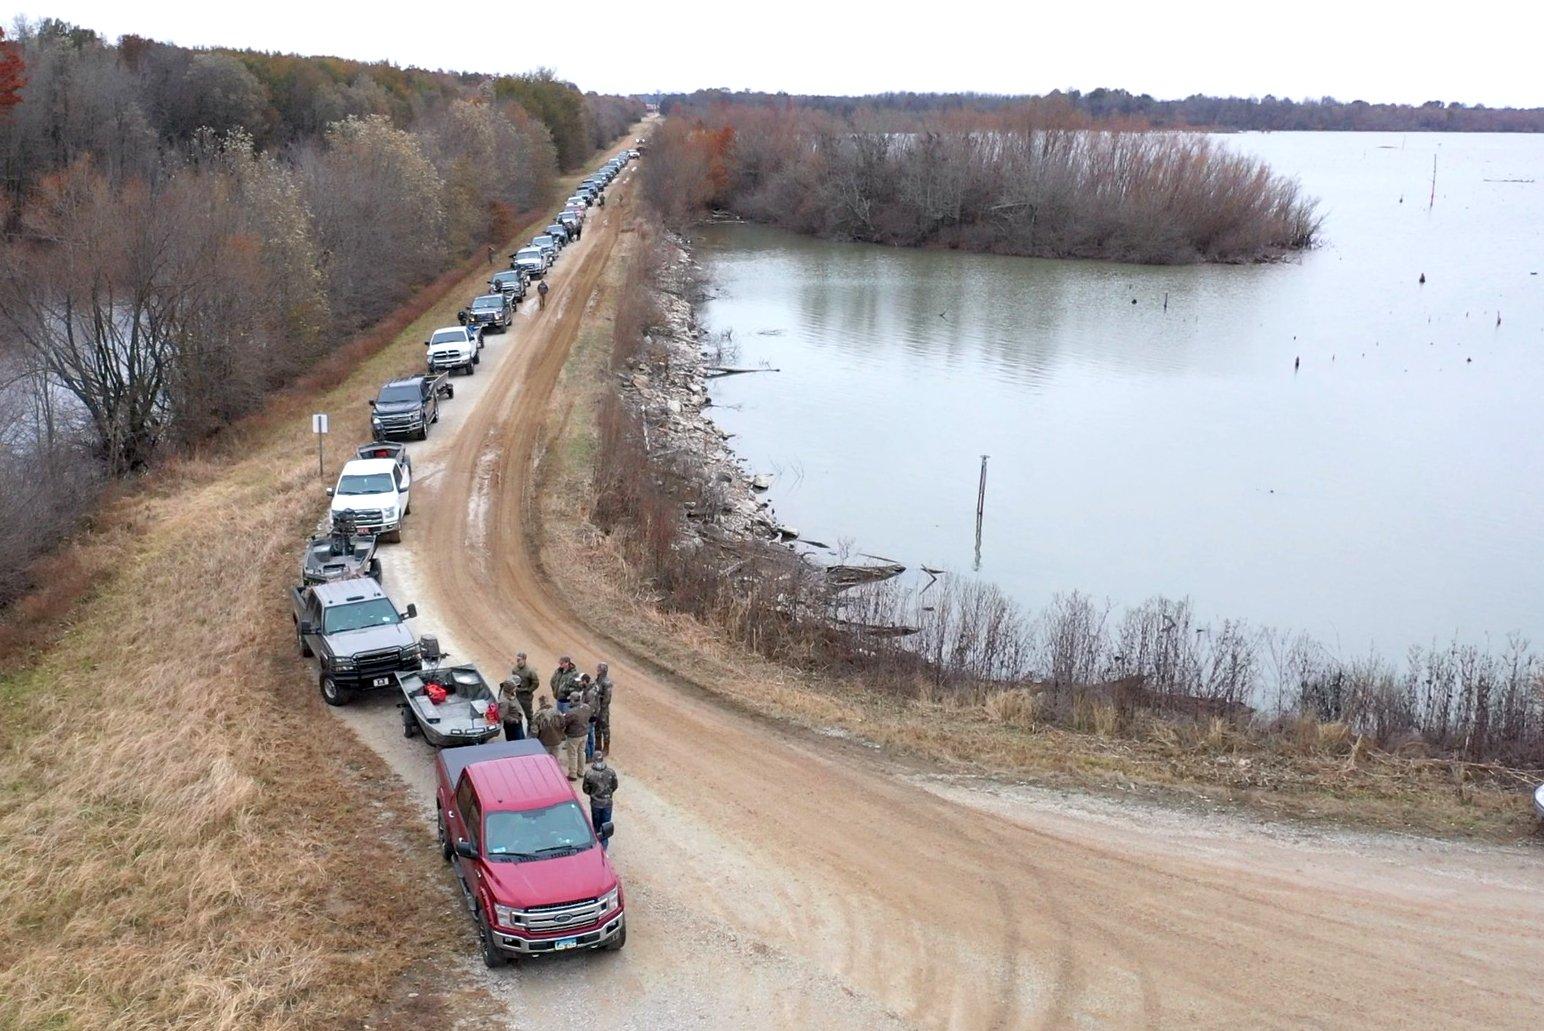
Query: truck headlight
point(507, 916)
point(608, 901)
point(389, 513)
point(342, 662)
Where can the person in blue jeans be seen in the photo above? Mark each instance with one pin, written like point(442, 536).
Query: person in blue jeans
point(600, 783)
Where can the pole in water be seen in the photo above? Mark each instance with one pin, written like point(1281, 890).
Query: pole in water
point(1432, 203)
point(980, 508)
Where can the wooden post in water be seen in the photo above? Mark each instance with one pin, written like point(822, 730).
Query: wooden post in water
point(1433, 202)
point(980, 508)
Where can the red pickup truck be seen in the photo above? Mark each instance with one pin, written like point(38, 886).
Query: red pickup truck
point(529, 864)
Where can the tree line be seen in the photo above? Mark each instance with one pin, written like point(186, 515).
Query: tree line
point(1030, 180)
point(1121, 108)
point(188, 229)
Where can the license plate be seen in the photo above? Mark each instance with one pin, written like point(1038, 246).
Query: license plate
point(565, 943)
point(380, 681)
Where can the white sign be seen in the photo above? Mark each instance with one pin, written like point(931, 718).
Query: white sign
point(319, 422)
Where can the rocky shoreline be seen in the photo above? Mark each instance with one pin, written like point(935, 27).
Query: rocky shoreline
point(667, 387)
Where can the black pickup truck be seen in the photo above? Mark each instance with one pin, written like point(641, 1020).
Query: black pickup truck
point(406, 407)
point(356, 635)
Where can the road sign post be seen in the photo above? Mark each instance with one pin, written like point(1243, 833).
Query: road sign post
point(319, 427)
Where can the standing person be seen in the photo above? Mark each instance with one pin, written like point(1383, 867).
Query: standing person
point(576, 729)
point(541, 294)
point(600, 784)
point(548, 727)
point(527, 683)
point(586, 691)
point(490, 254)
point(511, 712)
point(562, 681)
point(603, 689)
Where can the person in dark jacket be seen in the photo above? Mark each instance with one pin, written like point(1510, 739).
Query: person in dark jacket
point(515, 695)
point(576, 729)
point(562, 682)
point(600, 783)
point(548, 727)
point(602, 705)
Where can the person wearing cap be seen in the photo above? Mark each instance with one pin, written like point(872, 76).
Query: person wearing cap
point(515, 696)
point(562, 682)
point(585, 690)
point(548, 727)
point(602, 705)
point(600, 783)
point(576, 731)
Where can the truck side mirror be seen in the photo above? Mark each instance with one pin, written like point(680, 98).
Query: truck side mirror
point(412, 611)
point(426, 343)
point(465, 849)
point(371, 402)
point(306, 629)
point(606, 830)
point(329, 492)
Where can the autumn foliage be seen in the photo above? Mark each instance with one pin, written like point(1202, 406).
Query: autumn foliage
point(12, 75)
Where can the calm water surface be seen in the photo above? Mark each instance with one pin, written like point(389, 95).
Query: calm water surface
point(1386, 493)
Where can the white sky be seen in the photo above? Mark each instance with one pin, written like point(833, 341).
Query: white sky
point(1480, 51)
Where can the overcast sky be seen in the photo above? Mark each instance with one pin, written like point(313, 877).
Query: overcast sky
point(1480, 51)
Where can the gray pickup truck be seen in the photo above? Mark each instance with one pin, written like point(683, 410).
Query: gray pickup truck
point(356, 635)
point(407, 407)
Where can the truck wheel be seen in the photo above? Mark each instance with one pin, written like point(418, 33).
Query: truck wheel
point(305, 649)
point(409, 725)
point(396, 535)
point(332, 694)
point(450, 391)
point(423, 434)
point(476, 360)
point(442, 834)
point(375, 574)
point(615, 944)
point(492, 957)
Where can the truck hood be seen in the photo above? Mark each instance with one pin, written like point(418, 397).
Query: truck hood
point(371, 638)
point(343, 502)
point(545, 882)
point(396, 407)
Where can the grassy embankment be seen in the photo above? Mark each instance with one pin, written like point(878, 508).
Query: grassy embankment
point(190, 838)
point(1311, 772)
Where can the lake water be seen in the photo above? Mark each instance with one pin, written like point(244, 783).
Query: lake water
point(1386, 493)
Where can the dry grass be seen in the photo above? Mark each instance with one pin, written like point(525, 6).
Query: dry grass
point(190, 839)
point(1304, 770)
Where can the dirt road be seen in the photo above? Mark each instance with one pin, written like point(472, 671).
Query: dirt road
point(786, 879)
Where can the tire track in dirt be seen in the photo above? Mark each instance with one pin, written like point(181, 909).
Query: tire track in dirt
point(781, 878)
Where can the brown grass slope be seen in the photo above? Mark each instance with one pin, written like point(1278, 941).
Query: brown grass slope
point(190, 840)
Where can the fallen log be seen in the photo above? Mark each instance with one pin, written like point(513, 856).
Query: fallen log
point(852, 576)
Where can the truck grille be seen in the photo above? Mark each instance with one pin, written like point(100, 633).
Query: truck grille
point(366, 519)
point(379, 663)
point(445, 361)
point(401, 421)
point(563, 915)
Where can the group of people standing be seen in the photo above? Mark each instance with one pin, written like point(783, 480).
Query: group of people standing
point(578, 725)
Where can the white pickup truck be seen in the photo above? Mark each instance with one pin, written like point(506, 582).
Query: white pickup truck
point(455, 347)
point(376, 491)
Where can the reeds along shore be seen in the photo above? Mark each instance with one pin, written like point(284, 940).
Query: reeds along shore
point(1010, 184)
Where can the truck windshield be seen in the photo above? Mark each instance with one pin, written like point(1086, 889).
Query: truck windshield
point(365, 483)
point(528, 252)
point(398, 392)
point(449, 336)
point(488, 303)
point(360, 614)
point(557, 830)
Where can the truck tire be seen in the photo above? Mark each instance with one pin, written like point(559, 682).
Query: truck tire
point(305, 649)
point(476, 360)
point(396, 535)
point(442, 834)
point(615, 944)
point(492, 957)
point(375, 574)
point(423, 433)
point(409, 725)
point(450, 391)
point(332, 694)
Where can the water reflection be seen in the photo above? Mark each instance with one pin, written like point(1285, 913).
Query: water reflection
point(1385, 492)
